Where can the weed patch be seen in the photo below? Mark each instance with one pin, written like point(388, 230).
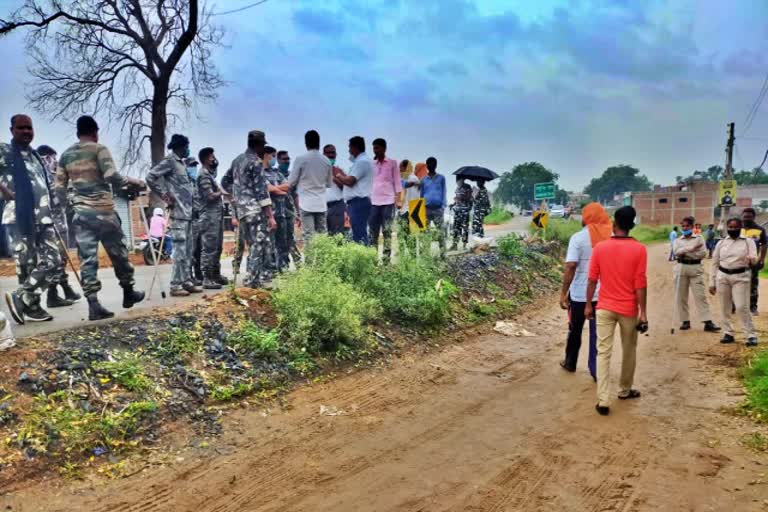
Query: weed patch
point(755, 374)
point(127, 370)
point(498, 215)
point(756, 442)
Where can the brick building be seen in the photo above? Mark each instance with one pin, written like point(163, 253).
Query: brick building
point(667, 205)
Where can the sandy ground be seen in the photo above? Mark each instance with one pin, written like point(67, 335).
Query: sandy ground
point(488, 424)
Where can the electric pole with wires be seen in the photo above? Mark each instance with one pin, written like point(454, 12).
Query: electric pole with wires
point(725, 208)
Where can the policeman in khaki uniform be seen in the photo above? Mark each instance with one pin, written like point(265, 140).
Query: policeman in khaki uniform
point(731, 263)
point(689, 250)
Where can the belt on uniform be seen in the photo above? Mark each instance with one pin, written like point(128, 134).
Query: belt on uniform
point(688, 262)
point(732, 271)
point(334, 203)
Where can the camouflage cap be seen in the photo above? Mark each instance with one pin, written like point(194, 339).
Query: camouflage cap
point(257, 136)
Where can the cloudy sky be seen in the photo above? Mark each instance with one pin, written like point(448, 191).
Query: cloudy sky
point(577, 85)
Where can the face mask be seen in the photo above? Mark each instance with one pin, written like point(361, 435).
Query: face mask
point(214, 164)
point(186, 153)
point(273, 162)
point(192, 172)
point(284, 166)
point(332, 160)
point(734, 233)
point(687, 232)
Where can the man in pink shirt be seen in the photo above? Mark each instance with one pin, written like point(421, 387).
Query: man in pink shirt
point(619, 264)
point(385, 197)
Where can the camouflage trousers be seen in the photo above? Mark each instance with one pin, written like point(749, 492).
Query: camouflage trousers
point(37, 256)
point(196, 247)
point(239, 248)
point(461, 224)
point(181, 234)
point(90, 229)
point(22, 271)
point(256, 235)
point(279, 239)
point(211, 232)
point(477, 221)
point(290, 239)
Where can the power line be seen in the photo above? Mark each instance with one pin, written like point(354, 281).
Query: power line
point(760, 167)
point(240, 9)
point(756, 106)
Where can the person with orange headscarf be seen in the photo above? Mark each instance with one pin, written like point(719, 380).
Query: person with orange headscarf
point(573, 296)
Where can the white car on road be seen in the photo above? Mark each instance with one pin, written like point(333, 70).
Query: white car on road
point(557, 211)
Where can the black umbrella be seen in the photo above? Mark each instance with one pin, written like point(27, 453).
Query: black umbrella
point(473, 172)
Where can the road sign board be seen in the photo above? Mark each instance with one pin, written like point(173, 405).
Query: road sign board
point(544, 191)
point(727, 193)
point(417, 214)
point(540, 219)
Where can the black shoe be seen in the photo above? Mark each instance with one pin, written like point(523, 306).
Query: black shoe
point(197, 281)
point(69, 293)
point(15, 306)
point(131, 297)
point(709, 326)
point(602, 410)
point(567, 368)
point(221, 280)
point(54, 301)
point(96, 311)
point(727, 338)
point(751, 342)
point(686, 325)
point(191, 287)
point(210, 283)
point(36, 314)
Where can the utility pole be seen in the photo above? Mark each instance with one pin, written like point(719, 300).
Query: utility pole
point(725, 210)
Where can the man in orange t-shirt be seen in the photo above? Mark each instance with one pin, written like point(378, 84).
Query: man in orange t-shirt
point(619, 264)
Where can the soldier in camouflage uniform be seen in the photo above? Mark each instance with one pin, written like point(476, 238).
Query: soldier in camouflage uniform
point(227, 185)
point(253, 206)
point(482, 208)
point(89, 169)
point(27, 216)
point(284, 164)
point(279, 237)
point(169, 179)
point(211, 221)
point(195, 269)
point(461, 209)
point(59, 209)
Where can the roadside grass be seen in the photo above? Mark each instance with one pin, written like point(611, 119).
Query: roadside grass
point(498, 215)
point(559, 230)
point(127, 370)
point(755, 375)
point(756, 442)
point(650, 234)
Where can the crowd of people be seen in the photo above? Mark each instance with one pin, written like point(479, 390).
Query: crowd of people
point(269, 198)
point(605, 285)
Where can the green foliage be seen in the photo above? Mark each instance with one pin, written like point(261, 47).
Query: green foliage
point(57, 424)
point(615, 180)
point(561, 230)
point(225, 392)
point(352, 263)
point(756, 441)
point(511, 247)
point(128, 370)
point(249, 337)
point(179, 342)
point(413, 292)
point(516, 187)
point(317, 308)
point(650, 234)
point(498, 215)
point(755, 375)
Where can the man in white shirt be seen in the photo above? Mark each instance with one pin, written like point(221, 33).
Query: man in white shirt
point(334, 197)
point(357, 189)
point(311, 174)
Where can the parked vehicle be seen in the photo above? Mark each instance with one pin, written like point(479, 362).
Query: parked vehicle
point(146, 250)
point(557, 211)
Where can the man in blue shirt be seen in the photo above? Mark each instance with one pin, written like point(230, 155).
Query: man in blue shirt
point(435, 195)
point(672, 238)
point(357, 188)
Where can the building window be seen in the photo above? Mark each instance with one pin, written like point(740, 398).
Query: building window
point(683, 199)
point(663, 200)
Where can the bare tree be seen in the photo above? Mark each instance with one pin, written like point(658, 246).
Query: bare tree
point(139, 61)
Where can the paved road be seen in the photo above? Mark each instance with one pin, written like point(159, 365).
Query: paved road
point(111, 294)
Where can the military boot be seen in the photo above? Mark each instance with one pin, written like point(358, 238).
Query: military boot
point(54, 300)
point(192, 287)
point(210, 282)
point(69, 293)
point(131, 296)
point(220, 278)
point(96, 311)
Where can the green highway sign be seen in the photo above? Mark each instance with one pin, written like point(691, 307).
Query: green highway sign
point(544, 191)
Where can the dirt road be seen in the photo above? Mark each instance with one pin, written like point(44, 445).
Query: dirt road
point(490, 424)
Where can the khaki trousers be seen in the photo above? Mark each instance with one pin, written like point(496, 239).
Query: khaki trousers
point(691, 278)
point(733, 289)
point(606, 326)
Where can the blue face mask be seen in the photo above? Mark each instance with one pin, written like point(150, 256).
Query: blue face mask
point(333, 161)
point(186, 153)
point(192, 172)
point(284, 166)
point(273, 162)
point(687, 232)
